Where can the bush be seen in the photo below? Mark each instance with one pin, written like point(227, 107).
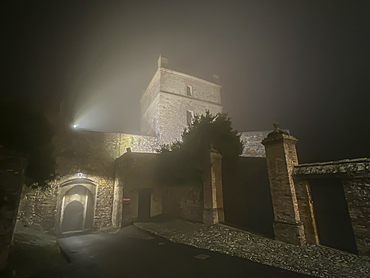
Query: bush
point(185, 161)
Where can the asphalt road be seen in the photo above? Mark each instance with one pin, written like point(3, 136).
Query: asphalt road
point(135, 253)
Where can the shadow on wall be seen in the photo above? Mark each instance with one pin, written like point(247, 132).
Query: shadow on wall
point(331, 213)
point(247, 197)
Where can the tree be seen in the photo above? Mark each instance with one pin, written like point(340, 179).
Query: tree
point(25, 129)
point(185, 160)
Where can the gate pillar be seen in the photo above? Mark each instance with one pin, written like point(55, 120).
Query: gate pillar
point(213, 211)
point(293, 220)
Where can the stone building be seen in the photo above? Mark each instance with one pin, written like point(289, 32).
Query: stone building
point(107, 180)
point(172, 99)
point(87, 195)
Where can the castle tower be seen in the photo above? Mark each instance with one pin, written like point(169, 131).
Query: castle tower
point(172, 99)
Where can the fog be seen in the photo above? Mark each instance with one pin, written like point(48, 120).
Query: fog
point(302, 63)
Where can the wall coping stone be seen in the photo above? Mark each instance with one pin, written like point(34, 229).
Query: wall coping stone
point(350, 168)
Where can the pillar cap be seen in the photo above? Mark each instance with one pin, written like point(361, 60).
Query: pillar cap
point(278, 134)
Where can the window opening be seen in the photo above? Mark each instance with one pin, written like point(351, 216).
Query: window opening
point(189, 117)
point(189, 91)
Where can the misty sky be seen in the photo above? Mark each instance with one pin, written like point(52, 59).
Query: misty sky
point(305, 64)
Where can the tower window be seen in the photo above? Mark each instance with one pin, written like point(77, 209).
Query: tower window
point(189, 117)
point(189, 90)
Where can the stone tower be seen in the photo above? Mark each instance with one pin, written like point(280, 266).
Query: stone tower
point(172, 99)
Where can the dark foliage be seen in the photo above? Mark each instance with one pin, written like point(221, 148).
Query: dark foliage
point(25, 129)
point(185, 161)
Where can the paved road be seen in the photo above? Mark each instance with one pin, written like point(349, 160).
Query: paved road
point(135, 253)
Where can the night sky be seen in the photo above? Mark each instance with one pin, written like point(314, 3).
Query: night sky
point(305, 64)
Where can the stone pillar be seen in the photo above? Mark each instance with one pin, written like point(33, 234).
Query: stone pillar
point(213, 211)
point(306, 210)
point(281, 157)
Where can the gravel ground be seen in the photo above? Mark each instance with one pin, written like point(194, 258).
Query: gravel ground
point(314, 260)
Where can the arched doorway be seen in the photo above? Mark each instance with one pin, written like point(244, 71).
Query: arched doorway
point(77, 210)
point(73, 217)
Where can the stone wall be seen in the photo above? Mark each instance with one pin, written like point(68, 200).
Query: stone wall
point(95, 152)
point(101, 189)
point(38, 208)
point(85, 151)
point(165, 102)
point(184, 202)
point(357, 193)
point(117, 203)
point(104, 203)
point(42, 208)
point(198, 201)
point(173, 114)
point(252, 143)
point(116, 144)
point(135, 172)
point(281, 157)
point(355, 168)
point(91, 155)
point(355, 178)
point(176, 83)
point(149, 107)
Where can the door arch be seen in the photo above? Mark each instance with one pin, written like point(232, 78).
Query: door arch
point(77, 211)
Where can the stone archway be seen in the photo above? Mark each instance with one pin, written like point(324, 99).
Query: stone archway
point(77, 211)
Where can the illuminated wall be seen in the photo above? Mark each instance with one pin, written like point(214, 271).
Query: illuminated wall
point(168, 99)
point(77, 209)
point(101, 189)
point(38, 209)
point(166, 108)
point(44, 208)
point(116, 144)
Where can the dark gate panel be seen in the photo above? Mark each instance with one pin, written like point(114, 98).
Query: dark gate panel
point(331, 213)
point(247, 197)
point(144, 205)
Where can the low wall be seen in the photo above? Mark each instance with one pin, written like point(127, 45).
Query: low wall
point(184, 202)
point(354, 178)
point(38, 208)
point(357, 193)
